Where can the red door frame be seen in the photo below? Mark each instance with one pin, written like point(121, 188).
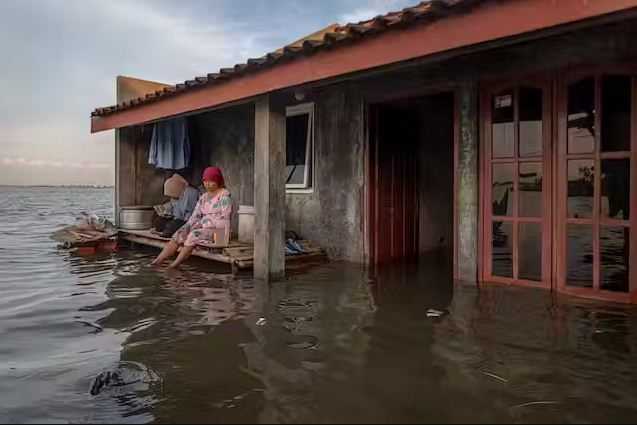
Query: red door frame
point(558, 83)
point(570, 76)
point(371, 218)
point(486, 213)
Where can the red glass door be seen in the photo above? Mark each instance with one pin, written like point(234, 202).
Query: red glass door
point(516, 184)
point(597, 169)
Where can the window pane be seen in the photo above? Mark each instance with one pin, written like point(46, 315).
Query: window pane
point(616, 113)
point(530, 189)
point(616, 188)
point(502, 244)
point(296, 148)
point(503, 125)
point(530, 252)
point(580, 256)
point(581, 116)
point(530, 121)
point(502, 193)
point(581, 178)
point(614, 250)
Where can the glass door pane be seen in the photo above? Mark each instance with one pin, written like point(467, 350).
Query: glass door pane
point(580, 255)
point(598, 168)
point(581, 117)
point(503, 125)
point(615, 258)
point(517, 190)
point(530, 189)
point(530, 251)
point(531, 126)
point(502, 252)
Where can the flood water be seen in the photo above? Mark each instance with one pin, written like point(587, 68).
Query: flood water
point(106, 338)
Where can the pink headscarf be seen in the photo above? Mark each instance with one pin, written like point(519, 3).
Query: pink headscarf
point(213, 174)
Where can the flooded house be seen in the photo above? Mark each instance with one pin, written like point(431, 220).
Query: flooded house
point(501, 135)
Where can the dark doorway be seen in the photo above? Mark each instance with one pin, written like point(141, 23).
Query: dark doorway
point(411, 179)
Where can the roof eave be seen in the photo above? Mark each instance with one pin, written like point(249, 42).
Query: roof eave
point(505, 20)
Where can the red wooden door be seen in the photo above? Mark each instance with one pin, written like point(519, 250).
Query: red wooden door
point(516, 170)
point(393, 185)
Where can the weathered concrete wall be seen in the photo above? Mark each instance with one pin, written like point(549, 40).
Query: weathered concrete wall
point(468, 189)
point(226, 139)
point(332, 214)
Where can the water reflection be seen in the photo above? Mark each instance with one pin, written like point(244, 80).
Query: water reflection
point(337, 344)
point(580, 255)
point(616, 188)
point(502, 189)
point(342, 345)
point(530, 254)
point(530, 183)
point(502, 249)
point(581, 117)
point(615, 258)
point(581, 188)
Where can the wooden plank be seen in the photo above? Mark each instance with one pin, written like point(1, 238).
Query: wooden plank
point(238, 251)
point(237, 256)
point(198, 252)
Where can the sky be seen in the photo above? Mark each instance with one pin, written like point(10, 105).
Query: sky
point(61, 57)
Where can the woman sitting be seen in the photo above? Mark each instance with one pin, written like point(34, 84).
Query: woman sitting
point(212, 212)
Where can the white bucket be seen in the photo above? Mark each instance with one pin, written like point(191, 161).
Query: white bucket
point(246, 223)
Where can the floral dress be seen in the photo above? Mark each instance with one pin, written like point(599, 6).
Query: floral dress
point(211, 212)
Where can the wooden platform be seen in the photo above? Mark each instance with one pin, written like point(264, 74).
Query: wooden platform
point(239, 255)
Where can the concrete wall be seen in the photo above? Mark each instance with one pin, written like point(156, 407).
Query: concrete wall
point(332, 214)
point(226, 139)
point(467, 188)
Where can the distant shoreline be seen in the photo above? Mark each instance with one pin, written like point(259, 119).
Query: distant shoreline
point(70, 186)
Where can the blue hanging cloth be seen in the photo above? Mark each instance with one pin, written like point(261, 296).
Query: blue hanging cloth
point(170, 145)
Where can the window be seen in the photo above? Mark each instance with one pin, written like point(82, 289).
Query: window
point(299, 147)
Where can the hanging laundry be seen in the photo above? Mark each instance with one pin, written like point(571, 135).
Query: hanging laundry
point(170, 145)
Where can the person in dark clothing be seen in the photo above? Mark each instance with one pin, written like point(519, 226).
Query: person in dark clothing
point(174, 214)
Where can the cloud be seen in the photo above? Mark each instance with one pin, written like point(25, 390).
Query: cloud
point(372, 9)
point(62, 56)
point(359, 15)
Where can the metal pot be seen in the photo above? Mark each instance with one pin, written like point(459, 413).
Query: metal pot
point(139, 217)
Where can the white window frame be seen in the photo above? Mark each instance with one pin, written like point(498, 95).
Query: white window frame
point(307, 186)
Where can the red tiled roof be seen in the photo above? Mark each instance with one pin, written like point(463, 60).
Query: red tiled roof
point(329, 38)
